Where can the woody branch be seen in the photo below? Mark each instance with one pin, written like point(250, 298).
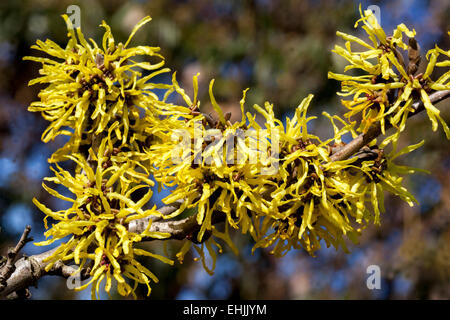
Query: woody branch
point(28, 270)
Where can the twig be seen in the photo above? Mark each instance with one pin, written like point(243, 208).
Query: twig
point(27, 271)
point(9, 267)
point(178, 229)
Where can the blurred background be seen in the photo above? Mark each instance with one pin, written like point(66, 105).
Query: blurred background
point(281, 50)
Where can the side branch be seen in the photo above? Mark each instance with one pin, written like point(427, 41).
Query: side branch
point(374, 131)
point(27, 270)
point(9, 267)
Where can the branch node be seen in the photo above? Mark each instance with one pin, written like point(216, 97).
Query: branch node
point(8, 266)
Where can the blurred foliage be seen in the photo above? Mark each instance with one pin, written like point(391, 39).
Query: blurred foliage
point(281, 50)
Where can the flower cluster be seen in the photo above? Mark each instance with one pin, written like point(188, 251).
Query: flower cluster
point(277, 183)
point(274, 181)
point(388, 86)
point(94, 89)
